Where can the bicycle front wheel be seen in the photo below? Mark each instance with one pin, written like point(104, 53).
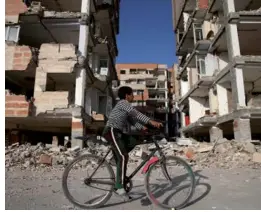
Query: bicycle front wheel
point(85, 189)
point(170, 183)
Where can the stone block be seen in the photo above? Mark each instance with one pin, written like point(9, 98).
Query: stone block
point(257, 157)
point(45, 159)
point(215, 133)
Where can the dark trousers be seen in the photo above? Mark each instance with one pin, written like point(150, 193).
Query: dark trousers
point(121, 144)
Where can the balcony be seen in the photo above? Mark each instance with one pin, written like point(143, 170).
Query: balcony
point(108, 15)
point(195, 8)
point(217, 6)
point(65, 5)
point(135, 76)
point(136, 86)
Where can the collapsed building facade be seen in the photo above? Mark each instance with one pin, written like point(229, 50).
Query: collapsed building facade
point(151, 84)
point(218, 44)
point(59, 68)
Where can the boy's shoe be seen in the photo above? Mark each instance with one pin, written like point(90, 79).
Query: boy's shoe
point(122, 193)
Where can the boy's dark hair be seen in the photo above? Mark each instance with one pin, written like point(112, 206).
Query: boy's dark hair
point(123, 91)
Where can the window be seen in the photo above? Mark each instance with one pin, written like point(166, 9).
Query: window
point(140, 103)
point(140, 92)
point(179, 35)
point(198, 34)
point(201, 66)
point(12, 33)
point(133, 71)
point(103, 65)
point(141, 82)
point(142, 71)
point(122, 72)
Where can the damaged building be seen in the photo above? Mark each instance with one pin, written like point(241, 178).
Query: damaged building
point(59, 68)
point(152, 88)
point(218, 45)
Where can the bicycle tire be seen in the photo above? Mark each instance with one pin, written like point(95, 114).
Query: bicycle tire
point(65, 187)
point(192, 185)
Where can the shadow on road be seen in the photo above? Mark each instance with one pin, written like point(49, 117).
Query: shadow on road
point(163, 188)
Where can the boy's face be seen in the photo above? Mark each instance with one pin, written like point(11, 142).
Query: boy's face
point(130, 97)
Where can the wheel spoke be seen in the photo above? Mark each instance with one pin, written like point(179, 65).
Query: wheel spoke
point(167, 195)
point(97, 189)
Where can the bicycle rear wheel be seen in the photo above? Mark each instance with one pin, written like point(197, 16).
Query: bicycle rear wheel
point(82, 168)
point(162, 191)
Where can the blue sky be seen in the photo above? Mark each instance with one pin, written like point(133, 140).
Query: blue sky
point(146, 34)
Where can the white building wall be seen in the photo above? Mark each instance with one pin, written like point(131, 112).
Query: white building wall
point(197, 108)
point(211, 64)
point(184, 86)
point(222, 100)
point(222, 60)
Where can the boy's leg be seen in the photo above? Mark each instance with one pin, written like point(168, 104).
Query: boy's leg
point(120, 153)
point(130, 142)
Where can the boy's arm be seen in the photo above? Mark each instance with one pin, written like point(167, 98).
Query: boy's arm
point(135, 115)
point(134, 123)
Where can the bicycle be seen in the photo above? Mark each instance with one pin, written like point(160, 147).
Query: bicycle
point(151, 162)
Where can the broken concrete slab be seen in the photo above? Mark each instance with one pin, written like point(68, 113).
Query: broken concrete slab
point(249, 147)
point(75, 149)
point(205, 149)
point(45, 159)
point(257, 157)
point(184, 142)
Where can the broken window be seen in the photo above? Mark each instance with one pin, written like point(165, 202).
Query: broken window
point(140, 92)
point(103, 66)
point(141, 82)
point(133, 71)
point(60, 82)
point(12, 33)
point(198, 34)
point(201, 66)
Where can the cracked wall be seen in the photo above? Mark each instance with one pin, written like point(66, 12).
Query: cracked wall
point(54, 58)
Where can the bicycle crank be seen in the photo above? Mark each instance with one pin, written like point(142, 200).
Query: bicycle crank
point(128, 185)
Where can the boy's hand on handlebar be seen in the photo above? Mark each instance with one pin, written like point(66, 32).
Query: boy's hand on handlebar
point(156, 124)
point(144, 128)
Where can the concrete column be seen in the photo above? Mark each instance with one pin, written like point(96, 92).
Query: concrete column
point(213, 101)
point(80, 87)
point(77, 132)
point(183, 119)
point(237, 78)
point(215, 133)
point(55, 141)
point(166, 106)
point(222, 100)
point(242, 129)
point(78, 124)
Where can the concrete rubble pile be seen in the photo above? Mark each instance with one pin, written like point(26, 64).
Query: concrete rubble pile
point(46, 155)
point(223, 154)
point(40, 155)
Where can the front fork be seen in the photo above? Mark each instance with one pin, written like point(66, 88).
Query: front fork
point(163, 166)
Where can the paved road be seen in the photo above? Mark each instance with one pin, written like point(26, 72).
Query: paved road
point(216, 189)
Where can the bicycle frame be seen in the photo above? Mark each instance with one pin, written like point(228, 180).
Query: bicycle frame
point(134, 172)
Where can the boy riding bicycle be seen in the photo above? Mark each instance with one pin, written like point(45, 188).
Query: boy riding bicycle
point(122, 114)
